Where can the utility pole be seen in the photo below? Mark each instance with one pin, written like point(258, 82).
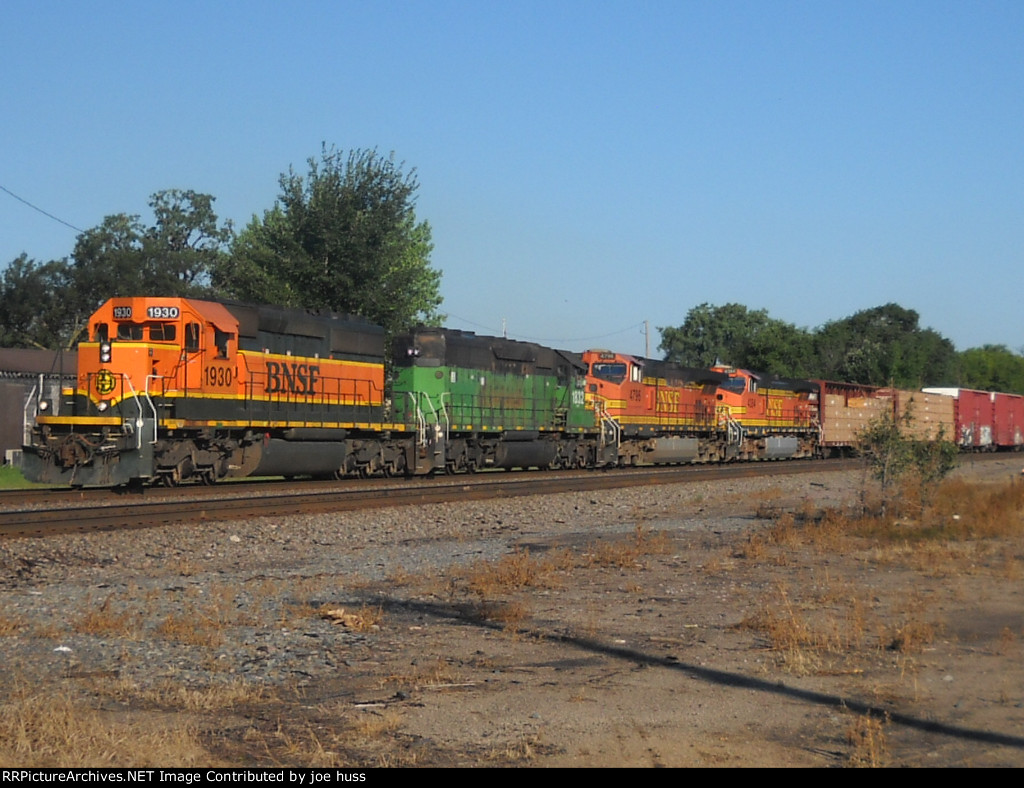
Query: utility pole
point(647, 339)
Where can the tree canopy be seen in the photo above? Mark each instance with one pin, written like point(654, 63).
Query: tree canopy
point(991, 368)
point(879, 346)
point(343, 237)
point(736, 335)
point(48, 304)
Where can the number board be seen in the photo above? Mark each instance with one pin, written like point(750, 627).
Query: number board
point(163, 312)
point(122, 313)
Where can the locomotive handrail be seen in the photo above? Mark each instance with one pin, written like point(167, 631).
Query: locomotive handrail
point(601, 408)
point(733, 429)
point(421, 420)
point(149, 399)
point(26, 429)
point(141, 420)
point(447, 418)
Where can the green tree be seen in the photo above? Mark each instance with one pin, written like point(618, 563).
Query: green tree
point(890, 455)
point(736, 335)
point(884, 345)
point(32, 313)
point(121, 257)
point(991, 368)
point(345, 238)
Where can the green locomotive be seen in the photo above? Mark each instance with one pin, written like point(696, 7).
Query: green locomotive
point(487, 402)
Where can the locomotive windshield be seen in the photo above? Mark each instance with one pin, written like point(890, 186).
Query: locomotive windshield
point(613, 373)
point(136, 332)
point(737, 385)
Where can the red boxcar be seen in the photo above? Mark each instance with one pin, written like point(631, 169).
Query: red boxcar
point(986, 420)
point(1008, 421)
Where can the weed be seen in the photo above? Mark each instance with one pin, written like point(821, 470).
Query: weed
point(47, 731)
point(374, 724)
point(191, 628)
point(511, 572)
point(866, 737)
point(11, 625)
point(626, 553)
point(105, 621)
point(1006, 642)
point(511, 615)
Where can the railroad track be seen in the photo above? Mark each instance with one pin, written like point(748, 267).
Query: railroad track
point(51, 512)
point(97, 510)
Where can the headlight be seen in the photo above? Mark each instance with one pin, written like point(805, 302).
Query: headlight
point(105, 352)
point(102, 406)
point(44, 405)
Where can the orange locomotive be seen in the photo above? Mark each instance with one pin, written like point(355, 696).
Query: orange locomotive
point(767, 417)
point(653, 412)
point(173, 388)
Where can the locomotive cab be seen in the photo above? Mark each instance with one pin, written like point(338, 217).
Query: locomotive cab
point(145, 348)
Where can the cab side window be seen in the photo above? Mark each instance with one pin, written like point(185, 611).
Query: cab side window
point(192, 337)
point(221, 339)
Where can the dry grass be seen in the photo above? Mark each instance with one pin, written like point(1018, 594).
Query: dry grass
point(107, 620)
point(968, 529)
point(802, 644)
point(868, 747)
point(946, 536)
point(511, 615)
point(512, 572)
point(191, 629)
point(627, 553)
point(522, 749)
point(53, 730)
point(373, 724)
point(11, 625)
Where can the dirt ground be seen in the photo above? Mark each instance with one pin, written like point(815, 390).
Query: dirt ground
point(723, 644)
point(688, 630)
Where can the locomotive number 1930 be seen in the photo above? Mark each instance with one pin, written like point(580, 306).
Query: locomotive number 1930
point(163, 312)
point(218, 376)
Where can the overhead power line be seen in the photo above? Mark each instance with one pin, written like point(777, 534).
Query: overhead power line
point(44, 213)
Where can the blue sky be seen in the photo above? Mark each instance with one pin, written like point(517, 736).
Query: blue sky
point(584, 166)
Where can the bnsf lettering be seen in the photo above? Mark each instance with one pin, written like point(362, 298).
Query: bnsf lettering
point(670, 398)
point(293, 378)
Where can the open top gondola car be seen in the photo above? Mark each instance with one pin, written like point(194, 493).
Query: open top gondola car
point(171, 389)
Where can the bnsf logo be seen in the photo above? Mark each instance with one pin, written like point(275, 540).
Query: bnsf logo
point(294, 378)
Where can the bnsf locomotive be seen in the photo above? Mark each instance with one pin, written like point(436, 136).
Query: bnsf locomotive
point(171, 390)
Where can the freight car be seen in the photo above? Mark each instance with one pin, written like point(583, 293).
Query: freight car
point(25, 376)
point(985, 420)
